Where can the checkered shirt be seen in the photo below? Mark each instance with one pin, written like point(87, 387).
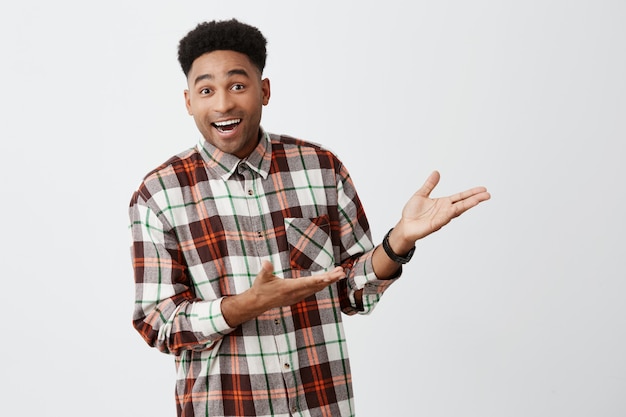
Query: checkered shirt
point(201, 225)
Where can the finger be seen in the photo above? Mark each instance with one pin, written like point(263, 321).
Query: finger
point(335, 275)
point(470, 193)
point(326, 278)
point(471, 201)
point(430, 184)
point(306, 286)
point(267, 269)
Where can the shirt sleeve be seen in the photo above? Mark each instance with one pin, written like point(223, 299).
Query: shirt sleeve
point(357, 251)
point(167, 313)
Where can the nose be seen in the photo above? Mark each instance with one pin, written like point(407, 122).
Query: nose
point(222, 102)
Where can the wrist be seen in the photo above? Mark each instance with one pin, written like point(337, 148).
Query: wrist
point(398, 242)
point(397, 249)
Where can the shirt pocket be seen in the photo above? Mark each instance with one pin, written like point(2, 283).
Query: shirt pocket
point(310, 244)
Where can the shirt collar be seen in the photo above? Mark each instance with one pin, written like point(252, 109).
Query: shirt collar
point(225, 164)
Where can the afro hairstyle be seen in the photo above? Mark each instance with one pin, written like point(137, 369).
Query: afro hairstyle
point(225, 35)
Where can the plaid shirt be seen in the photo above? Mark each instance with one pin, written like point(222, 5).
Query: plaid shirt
point(201, 225)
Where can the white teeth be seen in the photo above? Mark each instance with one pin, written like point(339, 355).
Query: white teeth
point(227, 122)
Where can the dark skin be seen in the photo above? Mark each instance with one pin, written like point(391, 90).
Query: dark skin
point(421, 216)
point(225, 96)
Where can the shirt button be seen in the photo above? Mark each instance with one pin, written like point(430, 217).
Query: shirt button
point(294, 410)
point(260, 234)
point(249, 192)
point(276, 322)
point(286, 366)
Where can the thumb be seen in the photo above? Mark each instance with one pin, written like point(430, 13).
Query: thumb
point(430, 183)
point(267, 269)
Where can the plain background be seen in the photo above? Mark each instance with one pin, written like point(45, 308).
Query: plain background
point(515, 309)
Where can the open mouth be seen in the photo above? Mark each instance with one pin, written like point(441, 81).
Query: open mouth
point(226, 125)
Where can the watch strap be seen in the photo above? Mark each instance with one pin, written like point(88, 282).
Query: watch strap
point(394, 256)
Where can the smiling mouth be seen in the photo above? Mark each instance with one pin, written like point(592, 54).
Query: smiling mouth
point(226, 125)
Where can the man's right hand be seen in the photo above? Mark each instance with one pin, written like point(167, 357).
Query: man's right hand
point(269, 291)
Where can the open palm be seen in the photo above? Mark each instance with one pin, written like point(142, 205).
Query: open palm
point(423, 215)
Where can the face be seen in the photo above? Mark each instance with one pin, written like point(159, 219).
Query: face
point(226, 96)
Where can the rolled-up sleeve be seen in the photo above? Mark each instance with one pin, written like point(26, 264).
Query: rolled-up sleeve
point(357, 250)
point(167, 313)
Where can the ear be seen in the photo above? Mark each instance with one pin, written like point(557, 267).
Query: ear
point(265, 88)
point(188, 102)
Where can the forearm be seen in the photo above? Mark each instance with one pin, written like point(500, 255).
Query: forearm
point(384, 266)
point(369, 270)
point(238, 309)
point(168, 314)
point(174, 325)
point(269, 291)
point(363, 287)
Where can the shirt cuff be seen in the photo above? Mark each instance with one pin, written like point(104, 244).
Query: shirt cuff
point(209, 319)
point(367, 279)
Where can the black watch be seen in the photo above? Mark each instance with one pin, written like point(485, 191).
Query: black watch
point(393, 256)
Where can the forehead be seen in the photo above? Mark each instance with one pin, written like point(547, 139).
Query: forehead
point(220, 63)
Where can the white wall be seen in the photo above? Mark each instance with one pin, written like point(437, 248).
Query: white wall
point(516, 309)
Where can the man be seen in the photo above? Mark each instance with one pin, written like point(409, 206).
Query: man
point(249, 246)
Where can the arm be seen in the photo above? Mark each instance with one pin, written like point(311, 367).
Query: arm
point(269, 291)
point(167, 313)
point(363, 289)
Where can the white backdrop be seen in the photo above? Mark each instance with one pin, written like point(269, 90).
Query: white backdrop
point(515, 309)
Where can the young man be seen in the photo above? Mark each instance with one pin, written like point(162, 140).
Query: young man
point(249, 246)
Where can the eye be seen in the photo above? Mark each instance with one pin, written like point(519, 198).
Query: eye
point(237, 87)
point(205, 91)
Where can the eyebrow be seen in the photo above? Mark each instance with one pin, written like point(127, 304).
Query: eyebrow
point(228, 74)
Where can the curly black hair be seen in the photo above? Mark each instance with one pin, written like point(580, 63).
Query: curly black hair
point(227, 35)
